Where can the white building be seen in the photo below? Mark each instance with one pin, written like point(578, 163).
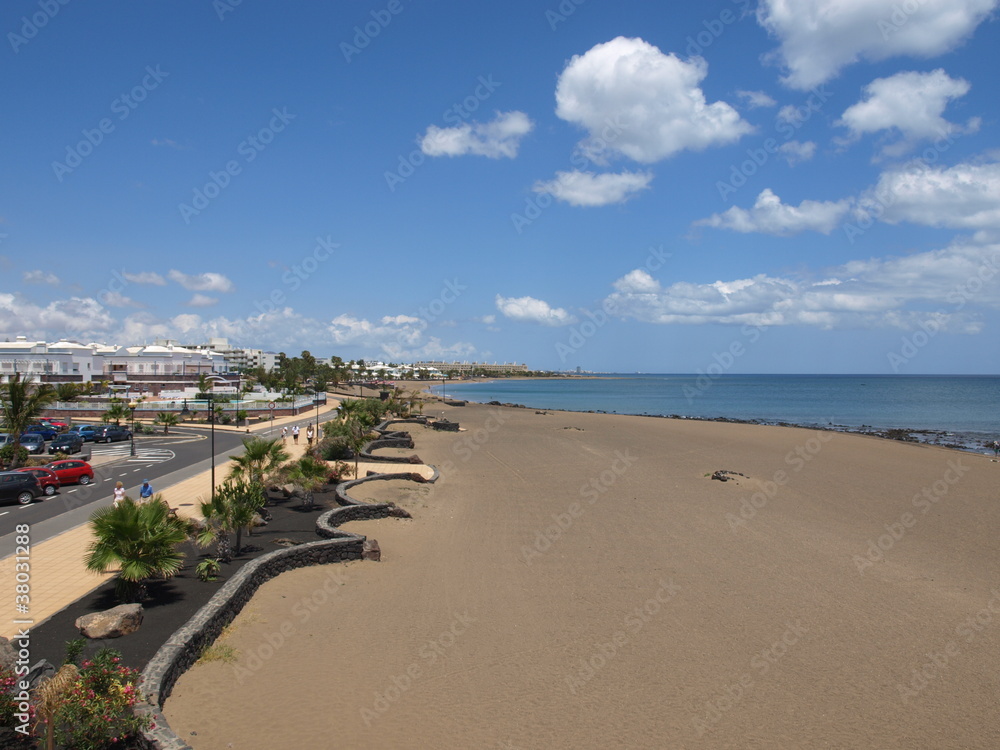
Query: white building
point(59, 362)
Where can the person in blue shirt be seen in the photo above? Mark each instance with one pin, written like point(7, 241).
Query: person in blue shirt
point(146, 491)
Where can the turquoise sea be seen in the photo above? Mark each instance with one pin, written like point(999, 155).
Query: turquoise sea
point(960, 410)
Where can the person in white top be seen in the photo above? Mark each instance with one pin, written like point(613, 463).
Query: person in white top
point(119, 493)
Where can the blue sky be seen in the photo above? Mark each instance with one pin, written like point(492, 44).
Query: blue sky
point(783, 186)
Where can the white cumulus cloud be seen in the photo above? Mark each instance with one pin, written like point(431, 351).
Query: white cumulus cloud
point(909, 104)
point(756, 99)
point(634, 100)
point(500, 137)
point(796, 152)
point(202, 300)
point(589, 189)
point(818, 38)
point(202, 282)
point(40, 277)
point(531, 310)
point(145, 277)
point(770, 216)
point(875, 293)
point(965, 196)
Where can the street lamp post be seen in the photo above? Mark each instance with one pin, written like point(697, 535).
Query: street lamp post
point(211, 419)
point(131, 405)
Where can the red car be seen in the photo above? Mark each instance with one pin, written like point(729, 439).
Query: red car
point(47, 478)
point(72, 470)
point(57, 423)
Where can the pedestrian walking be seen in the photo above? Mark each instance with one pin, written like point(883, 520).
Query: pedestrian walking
point(119, 493)
point(295, 434)
point(145, 492)
point(996, 448)
point(309, 435)
point(284, 434)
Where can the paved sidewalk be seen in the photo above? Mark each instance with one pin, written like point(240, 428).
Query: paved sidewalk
point(56, 573)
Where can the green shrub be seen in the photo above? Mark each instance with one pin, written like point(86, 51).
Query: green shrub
point(334, 449)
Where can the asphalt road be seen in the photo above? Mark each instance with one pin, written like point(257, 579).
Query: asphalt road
point(162, 459)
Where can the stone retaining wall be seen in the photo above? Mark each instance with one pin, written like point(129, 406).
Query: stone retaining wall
point(184, 647)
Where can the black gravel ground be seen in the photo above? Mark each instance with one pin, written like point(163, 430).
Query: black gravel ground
point(169, 604)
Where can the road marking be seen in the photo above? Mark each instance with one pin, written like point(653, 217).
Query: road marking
point(4, 513)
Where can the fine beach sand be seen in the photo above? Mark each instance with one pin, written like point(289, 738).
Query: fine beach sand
point(646, 618)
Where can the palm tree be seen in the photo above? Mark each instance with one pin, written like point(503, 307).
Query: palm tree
point(116, 412)
point(203, 384)
point(310, 473)
point(260, 459)
point(167, 419)
point(233, 507)
point(67, 391)
point(140, 539)
point(21, 403)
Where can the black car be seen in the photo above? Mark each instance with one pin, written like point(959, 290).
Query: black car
point(111, 434)
point(18, 486)
point(68, 442)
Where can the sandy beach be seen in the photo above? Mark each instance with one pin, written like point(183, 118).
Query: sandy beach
point(580, 581)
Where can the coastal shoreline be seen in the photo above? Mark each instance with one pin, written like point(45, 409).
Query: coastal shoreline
point(970, 441)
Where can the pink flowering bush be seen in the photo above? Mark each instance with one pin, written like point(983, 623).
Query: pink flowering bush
point(10, 707)
point(97, 714)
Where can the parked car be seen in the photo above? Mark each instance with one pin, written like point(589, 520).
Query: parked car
point(43, 429)
point(18, 486)
point(111, 434)
point(68, 442)
point(33, 442)
point(85, 431)
point(72, 471)
point(5, 438)
point(47, 479)
point(56, 423)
